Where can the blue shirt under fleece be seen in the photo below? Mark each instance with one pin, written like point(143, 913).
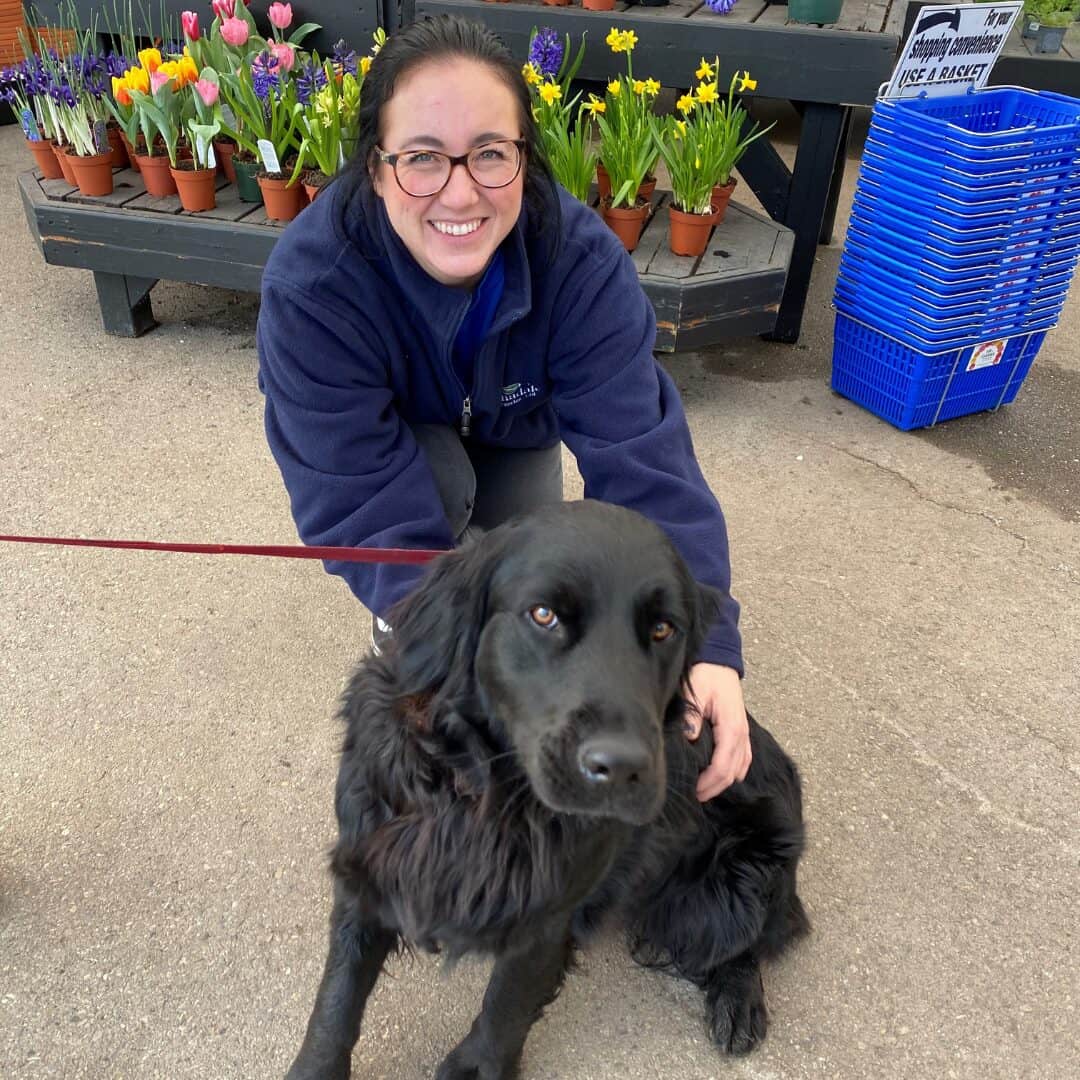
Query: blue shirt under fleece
point(357, 342)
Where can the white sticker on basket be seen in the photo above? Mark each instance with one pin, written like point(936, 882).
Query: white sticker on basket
point(987, 355)
point(950, 48)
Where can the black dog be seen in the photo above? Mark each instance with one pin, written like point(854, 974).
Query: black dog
point(516, 768)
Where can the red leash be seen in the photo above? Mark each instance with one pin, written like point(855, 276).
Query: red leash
point(284, 551)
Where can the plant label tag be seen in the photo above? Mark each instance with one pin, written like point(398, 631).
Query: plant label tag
point(205, 152)
point(269, 156)
point(101, 137)
point(228, 117)
point(987, 355)
point(29, 126)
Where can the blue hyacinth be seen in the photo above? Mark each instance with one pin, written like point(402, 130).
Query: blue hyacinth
point(721, 7)
point(310, 80)
point(264, 76)
point(546, 53)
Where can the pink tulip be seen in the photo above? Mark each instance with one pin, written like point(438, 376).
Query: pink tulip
point(285, 53)
point(158, 79)
point(224, 9)
point(235, 32)
point(280, 15)
point(189, 20)
point(208, 91)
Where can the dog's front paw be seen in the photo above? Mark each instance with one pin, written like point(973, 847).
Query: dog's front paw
point(738, 1018)
point(472, 1059)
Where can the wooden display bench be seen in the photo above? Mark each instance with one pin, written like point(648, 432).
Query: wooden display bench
point(131, 240)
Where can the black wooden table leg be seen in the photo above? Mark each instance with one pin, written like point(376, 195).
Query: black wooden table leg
point(815, 163)
point(837, 181)
point(125, 303)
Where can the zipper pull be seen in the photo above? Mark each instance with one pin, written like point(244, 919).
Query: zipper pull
point(466, 418)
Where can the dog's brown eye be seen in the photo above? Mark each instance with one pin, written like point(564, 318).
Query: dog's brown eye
point(662, 630)
point(543, 616)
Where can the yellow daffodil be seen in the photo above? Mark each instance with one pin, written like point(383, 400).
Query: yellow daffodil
point(706, 93)
point(697, 163)
point(550, 92)
point(680, 127)
point(652, 87)
point(706, 71)
point(595, 105)
point(149, 60)
point(614, 88)
point(536, 114)
point(621, 40)
point(639, 87)
point(532, 76)
point(365, 65)
point(685, 104)
point(746, 83)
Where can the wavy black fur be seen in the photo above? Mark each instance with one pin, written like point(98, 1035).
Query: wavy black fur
point(508, 781)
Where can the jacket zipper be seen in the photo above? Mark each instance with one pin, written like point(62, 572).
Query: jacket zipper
point(466, 418)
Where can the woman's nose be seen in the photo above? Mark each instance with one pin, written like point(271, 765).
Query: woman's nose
point(460, 189)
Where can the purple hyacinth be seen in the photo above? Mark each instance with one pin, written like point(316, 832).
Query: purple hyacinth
point(310, 79)
point(345, 58)
point(264, 77)
point(721, 7)
point(546, 53)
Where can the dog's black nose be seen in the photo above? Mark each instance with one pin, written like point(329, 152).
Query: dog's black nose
point(615, 760)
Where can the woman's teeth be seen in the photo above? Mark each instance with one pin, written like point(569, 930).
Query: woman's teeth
point(451, 229)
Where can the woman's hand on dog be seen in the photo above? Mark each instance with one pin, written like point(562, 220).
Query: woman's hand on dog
point(717, 692)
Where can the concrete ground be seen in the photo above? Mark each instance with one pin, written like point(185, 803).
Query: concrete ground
point(912, 622)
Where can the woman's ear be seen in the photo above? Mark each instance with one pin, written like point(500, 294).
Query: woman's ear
point(373, 173)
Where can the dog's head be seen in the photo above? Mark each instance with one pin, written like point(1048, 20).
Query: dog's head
point(563, 638)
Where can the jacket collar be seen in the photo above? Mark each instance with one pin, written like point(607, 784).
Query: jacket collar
point(443, 305)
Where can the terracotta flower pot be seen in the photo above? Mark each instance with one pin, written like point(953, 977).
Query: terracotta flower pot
point(721, 196)
point(690, 232)
point(598, 5)
point(626, 222)
point(156, 175)
point(282, 201)
point(648, 186)
point(603, 181)
point(133, 161)
point(45, 159)
point(225, 150)
point(93, 174)
point(116, 144)
point(60, 151)
point(195, 188)
point(557, 3)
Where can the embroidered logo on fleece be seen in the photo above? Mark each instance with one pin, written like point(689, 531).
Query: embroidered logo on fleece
point(517, 392)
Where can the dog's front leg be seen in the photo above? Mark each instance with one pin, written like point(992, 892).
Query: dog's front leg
point(522, 983)
point(358, 948)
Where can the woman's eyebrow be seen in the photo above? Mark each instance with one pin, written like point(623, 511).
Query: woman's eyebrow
point(432, 142)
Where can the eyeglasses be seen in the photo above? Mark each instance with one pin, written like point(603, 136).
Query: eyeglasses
point(422, 173)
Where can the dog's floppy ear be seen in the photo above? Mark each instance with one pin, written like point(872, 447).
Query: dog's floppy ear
point(436, 628)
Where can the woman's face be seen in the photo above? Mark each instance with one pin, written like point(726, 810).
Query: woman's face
point(450, 107)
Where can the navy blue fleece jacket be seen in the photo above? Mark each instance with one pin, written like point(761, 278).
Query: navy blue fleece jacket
point(355, 344)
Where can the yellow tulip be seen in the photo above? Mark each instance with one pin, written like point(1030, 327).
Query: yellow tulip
point(137, 78)
point(149, 60)
point(188, 71)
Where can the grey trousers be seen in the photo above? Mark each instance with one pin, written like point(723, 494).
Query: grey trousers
point(483, 486)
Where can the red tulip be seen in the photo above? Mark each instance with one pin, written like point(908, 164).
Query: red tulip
point(224, 9)
point(280, 15)
point(189, 20)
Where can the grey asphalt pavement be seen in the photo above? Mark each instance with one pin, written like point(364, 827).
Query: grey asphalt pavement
point(912, 623)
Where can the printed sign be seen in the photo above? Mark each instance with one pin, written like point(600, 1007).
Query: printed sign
point(952, 48)
point(987, 355)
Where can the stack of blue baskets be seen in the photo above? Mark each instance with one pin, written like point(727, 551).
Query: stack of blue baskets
point(963, 239)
